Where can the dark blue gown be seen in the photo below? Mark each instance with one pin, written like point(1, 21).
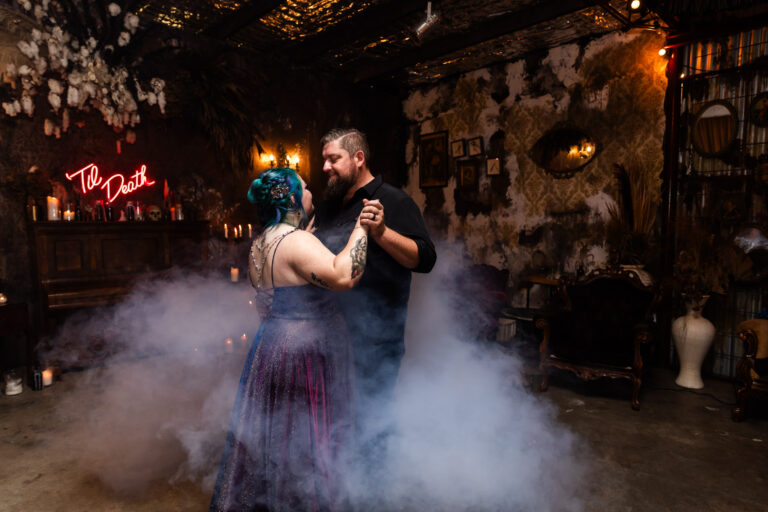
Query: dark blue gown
point(291, 420)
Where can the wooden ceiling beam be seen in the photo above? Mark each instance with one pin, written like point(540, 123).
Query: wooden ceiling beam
point(487, 30)
point(245, 15)
point(367, 23)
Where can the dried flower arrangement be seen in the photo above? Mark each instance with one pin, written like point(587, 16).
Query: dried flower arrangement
point(77, 53)
point(630, 229)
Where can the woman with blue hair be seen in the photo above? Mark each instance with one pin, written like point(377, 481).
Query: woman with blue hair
point(291, 420)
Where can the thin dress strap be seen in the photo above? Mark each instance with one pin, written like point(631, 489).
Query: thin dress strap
point(272, 269)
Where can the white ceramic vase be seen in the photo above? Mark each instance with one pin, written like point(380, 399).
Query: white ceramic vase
point(693, 335)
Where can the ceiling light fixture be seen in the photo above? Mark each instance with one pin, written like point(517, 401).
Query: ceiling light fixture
point(431, 19)
point(635, 4)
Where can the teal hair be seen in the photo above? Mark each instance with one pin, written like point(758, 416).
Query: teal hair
point(276, 192)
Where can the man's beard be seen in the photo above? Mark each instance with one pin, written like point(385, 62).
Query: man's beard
point(337, 187)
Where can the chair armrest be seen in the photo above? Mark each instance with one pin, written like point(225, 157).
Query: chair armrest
point(643, 332)
point(749, 337)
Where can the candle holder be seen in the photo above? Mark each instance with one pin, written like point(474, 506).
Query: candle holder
point(13, 385)
point(37, 379)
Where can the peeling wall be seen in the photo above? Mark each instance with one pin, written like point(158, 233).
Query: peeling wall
point(611, 88)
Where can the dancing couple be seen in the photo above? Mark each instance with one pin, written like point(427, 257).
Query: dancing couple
point(321, 359)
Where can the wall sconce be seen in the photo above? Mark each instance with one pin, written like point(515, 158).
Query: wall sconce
point(267, 159)
point(293, 161)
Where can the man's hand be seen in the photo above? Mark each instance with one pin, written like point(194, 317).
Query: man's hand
point(372, 216)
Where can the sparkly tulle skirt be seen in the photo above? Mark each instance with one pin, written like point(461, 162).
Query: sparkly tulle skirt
point(291, 421)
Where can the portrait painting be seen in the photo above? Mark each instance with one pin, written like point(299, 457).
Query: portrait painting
point(466, 172)
point(433, 160)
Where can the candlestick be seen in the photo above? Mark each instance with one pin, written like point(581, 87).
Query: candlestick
point(69, 215)
point(53, 208)
point(226, 232)
point(250, 231)
point(47, 377)
point(234, 274)
point(239, 231)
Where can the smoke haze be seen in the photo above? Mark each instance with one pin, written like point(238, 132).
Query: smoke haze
point(467, 434)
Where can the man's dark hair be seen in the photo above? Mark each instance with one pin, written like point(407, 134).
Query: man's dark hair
point(350, 140)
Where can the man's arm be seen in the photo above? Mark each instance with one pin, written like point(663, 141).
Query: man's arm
point(406, 251)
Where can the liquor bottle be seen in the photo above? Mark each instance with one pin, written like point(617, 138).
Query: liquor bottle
point(78, 212)
point(99, 211)
point(130, 213)
point(109, 213)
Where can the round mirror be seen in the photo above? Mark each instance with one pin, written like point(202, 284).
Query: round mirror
point(563, 152)
point(714, 128)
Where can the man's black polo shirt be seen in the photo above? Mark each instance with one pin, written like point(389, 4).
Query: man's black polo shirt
point(376, 308)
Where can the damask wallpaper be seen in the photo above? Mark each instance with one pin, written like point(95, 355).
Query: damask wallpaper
point(611, 88)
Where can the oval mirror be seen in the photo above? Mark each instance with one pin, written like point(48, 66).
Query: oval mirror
point(714, 128)
point(563, 152)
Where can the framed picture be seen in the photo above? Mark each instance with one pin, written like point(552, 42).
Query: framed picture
point(475, 146)
point(758, 110)
point(493, 166)
point(466, 172)
point(433, 160)
point(457, 148)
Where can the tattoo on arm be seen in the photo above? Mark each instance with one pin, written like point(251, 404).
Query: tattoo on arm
point(359, 254)
point(319, 281)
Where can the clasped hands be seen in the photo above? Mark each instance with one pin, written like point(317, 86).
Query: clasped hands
point(372, 217)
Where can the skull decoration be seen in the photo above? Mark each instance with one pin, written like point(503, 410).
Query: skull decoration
point(154, 213)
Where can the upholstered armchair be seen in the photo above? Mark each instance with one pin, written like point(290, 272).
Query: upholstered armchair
point(752, 368)
point(604, 328)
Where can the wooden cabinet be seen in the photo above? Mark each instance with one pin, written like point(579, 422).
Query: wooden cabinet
point(85, 264)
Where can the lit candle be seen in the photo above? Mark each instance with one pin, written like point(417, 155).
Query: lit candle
point(228, 347)
point(53, 208)
point(243, 337)
point(69, 215)
point(250, 231)
point(47, 377)
point(226, 232)
point(234, 274)
point(239, 231)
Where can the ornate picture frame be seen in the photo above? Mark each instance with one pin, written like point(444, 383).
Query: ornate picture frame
point(433, 159)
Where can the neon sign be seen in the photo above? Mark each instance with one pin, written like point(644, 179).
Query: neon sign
point(115, 185)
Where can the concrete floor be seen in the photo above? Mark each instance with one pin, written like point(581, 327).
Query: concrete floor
point(681, 451)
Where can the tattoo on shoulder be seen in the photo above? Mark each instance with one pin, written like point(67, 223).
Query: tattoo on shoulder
point(319, 281)
point(359, 254)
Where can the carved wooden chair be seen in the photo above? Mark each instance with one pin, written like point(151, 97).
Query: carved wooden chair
point(602, 330)
point(752, 368)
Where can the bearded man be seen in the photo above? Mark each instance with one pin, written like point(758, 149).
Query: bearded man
point(398, 244)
